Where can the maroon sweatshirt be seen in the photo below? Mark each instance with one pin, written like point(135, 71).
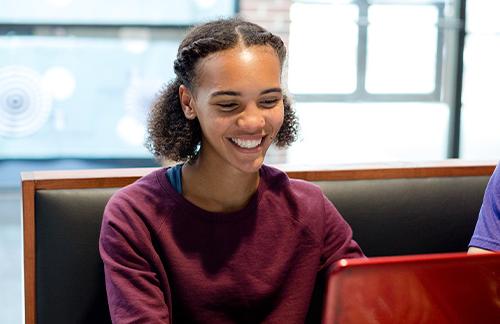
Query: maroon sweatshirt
point(166, 260)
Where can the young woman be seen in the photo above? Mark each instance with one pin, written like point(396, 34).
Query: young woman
point(221, 238)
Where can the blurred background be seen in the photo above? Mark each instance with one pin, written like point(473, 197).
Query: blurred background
point(372, 80)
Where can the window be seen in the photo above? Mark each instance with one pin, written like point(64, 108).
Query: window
point(366, 50)
point(480, 131)
point(398, 35)
point(371, 79)
point(77, 77)
point(323, 33)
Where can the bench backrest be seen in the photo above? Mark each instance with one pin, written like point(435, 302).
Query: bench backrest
point(393, 209)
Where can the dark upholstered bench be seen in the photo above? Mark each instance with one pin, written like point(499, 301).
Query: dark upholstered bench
point(393, 209)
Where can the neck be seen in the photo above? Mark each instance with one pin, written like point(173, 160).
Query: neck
point(217, 188)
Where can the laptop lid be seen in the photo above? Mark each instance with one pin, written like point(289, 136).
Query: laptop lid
point(433, 288)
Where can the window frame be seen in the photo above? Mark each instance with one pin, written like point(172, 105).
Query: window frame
point(360, 94)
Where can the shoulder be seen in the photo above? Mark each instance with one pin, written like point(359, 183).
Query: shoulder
point(279, 180)
point(493, 187)
point(132, 217)
point(140, 198)
point(495, 178)
point(300, 200)
point(146, 185)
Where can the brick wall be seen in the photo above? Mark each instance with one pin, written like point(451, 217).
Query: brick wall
point(274, 15)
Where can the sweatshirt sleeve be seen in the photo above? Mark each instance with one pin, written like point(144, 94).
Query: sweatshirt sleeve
point(487, 232)
point(337, 238)
point(130, 263)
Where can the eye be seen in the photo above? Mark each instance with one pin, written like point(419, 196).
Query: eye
point(269, 102)
point(227, 106)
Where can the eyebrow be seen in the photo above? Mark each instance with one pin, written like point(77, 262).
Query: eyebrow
point(236, 93)
point(272, 90)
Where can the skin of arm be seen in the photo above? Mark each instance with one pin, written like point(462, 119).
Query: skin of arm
point(476, 250)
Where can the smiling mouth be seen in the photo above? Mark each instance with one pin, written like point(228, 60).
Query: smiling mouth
point(247, 144)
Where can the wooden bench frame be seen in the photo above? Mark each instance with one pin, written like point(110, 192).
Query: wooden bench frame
point(112, 178)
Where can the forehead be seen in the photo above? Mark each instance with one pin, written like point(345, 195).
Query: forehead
point(240, 66)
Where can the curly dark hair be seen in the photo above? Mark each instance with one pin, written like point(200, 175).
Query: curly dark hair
point(174, 137)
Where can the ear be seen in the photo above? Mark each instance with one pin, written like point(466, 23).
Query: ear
point(187, 102)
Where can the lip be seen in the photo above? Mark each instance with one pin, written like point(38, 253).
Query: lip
point(249, 137)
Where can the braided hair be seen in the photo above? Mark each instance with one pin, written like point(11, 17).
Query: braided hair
point(171, 135)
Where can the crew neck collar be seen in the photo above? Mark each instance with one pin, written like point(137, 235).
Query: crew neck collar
point(192, 210)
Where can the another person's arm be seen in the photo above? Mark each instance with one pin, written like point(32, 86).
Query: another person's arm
point(486, 235)
point(476, 250)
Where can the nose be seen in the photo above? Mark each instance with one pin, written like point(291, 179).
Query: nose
point(251, 118)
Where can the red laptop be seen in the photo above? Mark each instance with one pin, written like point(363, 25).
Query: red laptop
point(433, 288)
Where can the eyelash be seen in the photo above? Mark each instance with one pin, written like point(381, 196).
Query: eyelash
point(267, 103)
point(228, 106)
point(270, 102)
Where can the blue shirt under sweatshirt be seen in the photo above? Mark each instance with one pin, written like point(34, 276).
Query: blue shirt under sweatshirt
point(174, 176)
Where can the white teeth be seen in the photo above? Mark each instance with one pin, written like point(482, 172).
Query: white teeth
point(246, 143)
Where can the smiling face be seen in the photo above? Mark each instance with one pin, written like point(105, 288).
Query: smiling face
point(238, 101)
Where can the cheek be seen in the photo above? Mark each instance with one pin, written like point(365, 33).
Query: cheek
point(212, 126)
point(277, 118)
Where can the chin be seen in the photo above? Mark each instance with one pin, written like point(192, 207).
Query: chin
point(250, 167)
